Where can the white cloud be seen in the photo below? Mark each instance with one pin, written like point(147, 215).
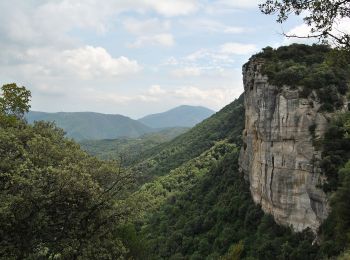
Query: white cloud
point(342, 26)
point(211, 58)
point(171, 7)
point(237, 48)
point(150, 32)
point(221, 55)
point(172, 61)
point(230, 6)
point(90, 62)
point(303, 31)
point(187, 72)
point(122, 99)
point(153, 94)
point(240, 3)
point(156, 90)
point(212, 97)
point(49, 22)
point(148, 26)
point(84, 63)
point(212, 26)
point(164, 39)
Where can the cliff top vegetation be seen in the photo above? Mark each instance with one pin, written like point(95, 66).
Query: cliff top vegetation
point(309, 67)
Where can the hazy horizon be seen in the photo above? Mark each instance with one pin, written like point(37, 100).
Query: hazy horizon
point(135, 118)
point(133, 57)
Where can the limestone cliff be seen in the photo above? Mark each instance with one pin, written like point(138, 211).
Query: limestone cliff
point(278, 156)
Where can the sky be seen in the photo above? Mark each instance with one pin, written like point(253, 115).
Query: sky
point(132, 57)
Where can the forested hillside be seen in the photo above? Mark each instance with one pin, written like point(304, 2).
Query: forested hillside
point(178, 199)
point(203, 210)
point(225, 124)
point(130, 149)
point(56, 202)
point(92, 126)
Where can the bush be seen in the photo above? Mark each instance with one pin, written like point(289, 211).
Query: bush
point(316, 67)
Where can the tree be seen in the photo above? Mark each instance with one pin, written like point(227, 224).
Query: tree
point(322, 16)
point(57, 202)
point(235, 252)
point(14, 100)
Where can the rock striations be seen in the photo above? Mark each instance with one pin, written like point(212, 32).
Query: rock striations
point(278, 156)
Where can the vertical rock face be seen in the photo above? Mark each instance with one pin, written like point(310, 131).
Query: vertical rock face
point(278, 156)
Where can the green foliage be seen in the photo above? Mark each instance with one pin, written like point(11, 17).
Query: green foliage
point(228, 123)
point(309, 68)
point(183, 178)
point(234, 252)
point(14, 102)
point(321, 16)
point(92, 126)
point(130, 149)
point(207, 210)
point(335, 231)
point(336, 149)
point(57, 202)
point(341, 207)
point(344, 256)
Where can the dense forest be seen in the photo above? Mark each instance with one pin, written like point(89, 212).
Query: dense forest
point(181, 198)
point(129, 149)
point(316, 68)
point(56, 201)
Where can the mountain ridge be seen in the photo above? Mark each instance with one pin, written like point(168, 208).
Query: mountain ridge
point(88, 125)
point(92, 125)
point(183, 116)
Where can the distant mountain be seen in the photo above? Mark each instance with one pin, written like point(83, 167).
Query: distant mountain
point(228, 124)
point(92, 126)
point(96, 126)
point(182, 116)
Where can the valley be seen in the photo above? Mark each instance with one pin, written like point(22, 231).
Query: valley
point(266, 177)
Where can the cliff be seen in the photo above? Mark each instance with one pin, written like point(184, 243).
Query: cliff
point(278, 156)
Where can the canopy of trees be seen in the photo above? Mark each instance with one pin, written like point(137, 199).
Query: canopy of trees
point(204, 210)
point(309, 68)
point(56, 202)
point(322, 16)
point(336, 165)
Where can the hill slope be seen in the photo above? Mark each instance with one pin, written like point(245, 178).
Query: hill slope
point(92, 126)
point(203, 210)
point(198, 205)
point(130, 148)
point(184, 116)
point(201, 207)
point(226, 124)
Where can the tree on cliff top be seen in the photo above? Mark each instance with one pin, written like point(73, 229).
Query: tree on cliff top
point(322, 16)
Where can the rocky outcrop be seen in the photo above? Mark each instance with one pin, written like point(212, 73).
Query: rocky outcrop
point(278, 156)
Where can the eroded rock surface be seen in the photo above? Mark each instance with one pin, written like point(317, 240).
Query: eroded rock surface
point(279, 157)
